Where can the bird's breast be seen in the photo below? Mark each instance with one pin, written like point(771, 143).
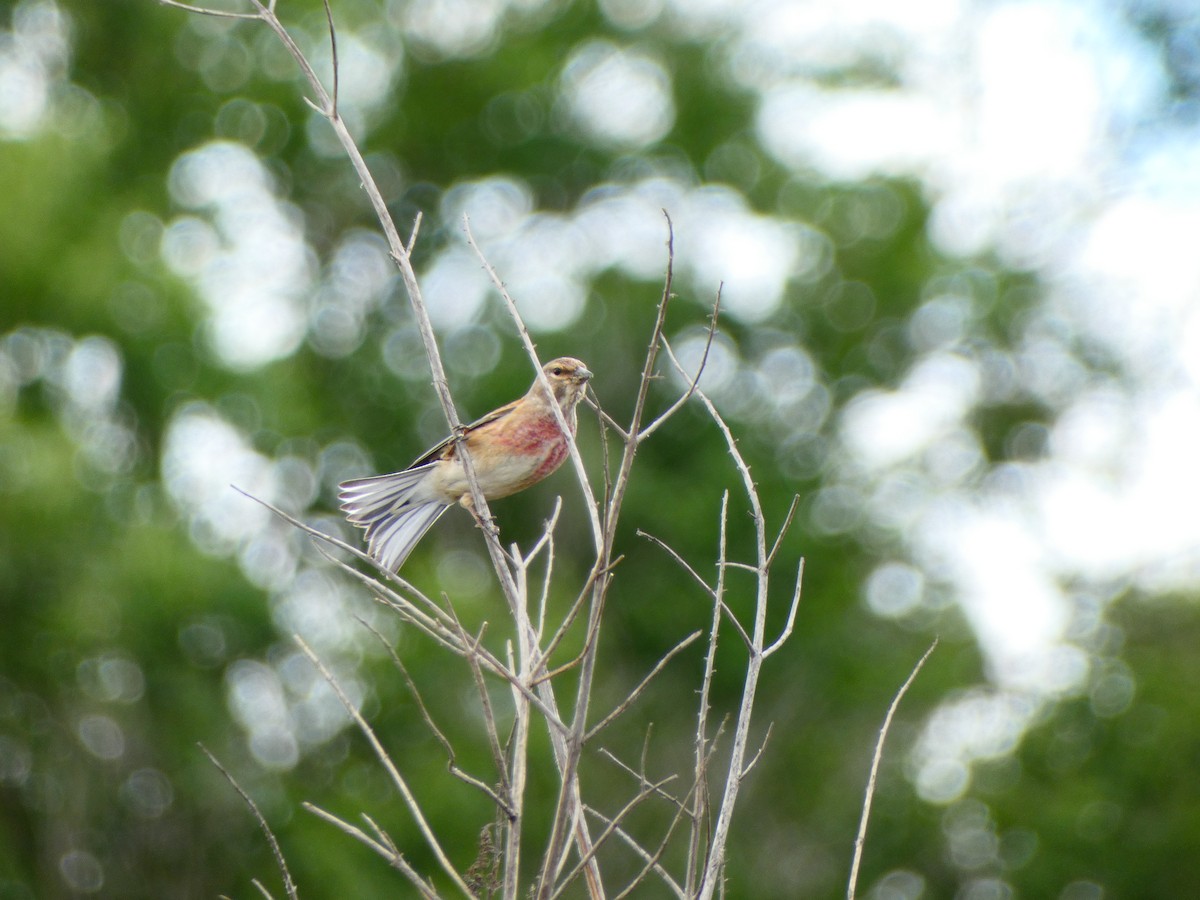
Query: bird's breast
point(508, 459)
point(535, 448)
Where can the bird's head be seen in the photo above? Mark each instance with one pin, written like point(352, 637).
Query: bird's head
point(568, 379)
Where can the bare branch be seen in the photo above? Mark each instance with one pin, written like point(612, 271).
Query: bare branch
point(607, 833)
point(523, 562)
point(637, 691)
point(860, 840)
point(412, 237)
point(684, 564)
point(440, 736)
point(433, 627)
point(353, 831)
point(288, 884)
point(761, 748)
point(701, 751)
point(745, 567)
point(656, 338)
point(651, 860)
point(422, 620)
point(716, 853)
point(640, 776)
point(531, 351)
point(395, 859)
point(783, 529)
point(691, 388)
point(576, 608)
point(380, 835)
point(791, 617)
point(710, 591)
point(393, 773)
point(333, 55)
point(604, 417)
point(489, 718)
point(206, 11)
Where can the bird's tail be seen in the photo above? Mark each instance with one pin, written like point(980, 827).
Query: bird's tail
point(393, 517)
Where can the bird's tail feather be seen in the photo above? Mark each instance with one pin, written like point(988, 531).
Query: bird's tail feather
point(393, 539)
point(395, 519)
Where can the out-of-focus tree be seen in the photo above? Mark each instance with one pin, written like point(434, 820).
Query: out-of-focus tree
point(959, 321)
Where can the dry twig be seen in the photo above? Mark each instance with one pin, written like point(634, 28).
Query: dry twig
point(288, 884)
point(861, 838)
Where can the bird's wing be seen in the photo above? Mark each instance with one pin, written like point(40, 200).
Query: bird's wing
point(437, 452)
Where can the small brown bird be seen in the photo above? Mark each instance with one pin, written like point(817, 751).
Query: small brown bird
point(511, 448)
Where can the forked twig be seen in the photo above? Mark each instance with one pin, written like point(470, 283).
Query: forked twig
point(385, 849)
point(793, 608)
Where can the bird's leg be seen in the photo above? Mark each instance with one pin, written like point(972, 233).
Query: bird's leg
point(488, 524)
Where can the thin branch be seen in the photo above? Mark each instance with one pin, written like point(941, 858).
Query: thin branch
point(333, 55)
point(761, 748)
point(709, 590)
point(716, 854)
point(576, 607)
point(745, 567)
point(701, 752)
point(633, 695)
point(604, 417)
point(395, 859)
point(791, 617)
point(434, 610)
point(860, 840)
point(434, 628)
point(324, 104)
point(651, 860)
point(531, 351)
point(694, 382)
point(352, 830)
point(205, 11)
point(683, 563)
point(640, 776)
point(288, 884)
point(656, 339)
point(523, 562)
point(380, 835)
point(783, 529)
point(440, 736)
point(450, 636)
point(551, 674)
point(605, 424)
point(393, 773)
point(633, 803)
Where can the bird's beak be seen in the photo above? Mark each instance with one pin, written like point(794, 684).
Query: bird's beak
point(583, 376)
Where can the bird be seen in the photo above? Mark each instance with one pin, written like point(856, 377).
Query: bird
point(511, 448)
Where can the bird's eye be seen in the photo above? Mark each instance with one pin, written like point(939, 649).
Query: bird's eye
point(557, 370)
